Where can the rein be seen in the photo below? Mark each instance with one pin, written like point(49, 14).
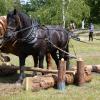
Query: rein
point(24, 29)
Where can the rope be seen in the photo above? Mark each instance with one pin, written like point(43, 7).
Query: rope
point(73, 49)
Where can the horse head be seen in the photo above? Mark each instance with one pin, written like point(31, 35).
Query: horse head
point(13, 20)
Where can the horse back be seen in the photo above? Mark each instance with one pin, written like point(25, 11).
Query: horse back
point(58, 35)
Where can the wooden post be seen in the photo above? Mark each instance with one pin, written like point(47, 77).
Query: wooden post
point(80, 76)
point(27, 83)
point(61, 75)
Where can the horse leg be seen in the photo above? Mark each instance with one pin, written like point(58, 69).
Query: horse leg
point(41, 59)
point(55, 57)
point(48, 60)
point(35, 57)
point(22, 68)
point(66, 57)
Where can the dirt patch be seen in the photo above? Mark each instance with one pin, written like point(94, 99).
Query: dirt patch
point(9, 89)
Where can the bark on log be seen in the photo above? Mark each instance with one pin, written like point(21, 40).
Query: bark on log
point(39, 82)
point(93, 68)
point(96, 68)
point(80, 75)
point(88, 76)
point(69, 78)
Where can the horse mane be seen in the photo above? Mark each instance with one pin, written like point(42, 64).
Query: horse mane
point(25, 19)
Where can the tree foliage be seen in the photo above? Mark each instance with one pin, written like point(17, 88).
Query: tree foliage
point(50, 11)
point(77, 11)
point(5, 6)
point(2, 8)
point(94, 10)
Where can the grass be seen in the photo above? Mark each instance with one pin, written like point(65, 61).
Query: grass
point(90, 51)
point(89, 91)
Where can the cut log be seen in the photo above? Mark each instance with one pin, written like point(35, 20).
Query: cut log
point(45, 71)
point(88, 67)
point(50, 80)
point(80, 78)
point(39, 82)
point(93, 68)
point(88, 76)
point(96, 68)
point(69, 78)
point(61, 74)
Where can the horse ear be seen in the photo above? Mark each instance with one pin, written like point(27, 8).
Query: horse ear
point(15, 11)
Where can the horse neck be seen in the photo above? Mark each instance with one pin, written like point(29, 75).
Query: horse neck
point(25, 23)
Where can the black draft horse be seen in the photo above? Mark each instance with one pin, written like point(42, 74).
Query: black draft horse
point(25, 37)
point(22, 43)
point(58, 38)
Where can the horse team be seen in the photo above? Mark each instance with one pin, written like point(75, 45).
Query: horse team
point(22, 36)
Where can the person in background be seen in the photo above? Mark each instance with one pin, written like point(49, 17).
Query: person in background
point(72, 26)
point(91, 30)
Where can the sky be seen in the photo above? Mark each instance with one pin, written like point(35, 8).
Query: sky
point(24, 1)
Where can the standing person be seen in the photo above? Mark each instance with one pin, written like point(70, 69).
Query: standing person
point(91, 30)
point(72, 26)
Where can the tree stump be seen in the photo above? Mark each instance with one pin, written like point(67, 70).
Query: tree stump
point(61, 75)
point(80, 75)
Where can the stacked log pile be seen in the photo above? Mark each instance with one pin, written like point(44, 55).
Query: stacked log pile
point(50, 80)
point(52, 77)
point(93, 68)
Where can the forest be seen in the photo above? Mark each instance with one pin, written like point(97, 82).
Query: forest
point(50, 11)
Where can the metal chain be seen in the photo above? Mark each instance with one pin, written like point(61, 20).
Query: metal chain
point(70, 55)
